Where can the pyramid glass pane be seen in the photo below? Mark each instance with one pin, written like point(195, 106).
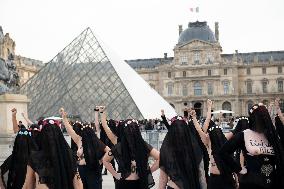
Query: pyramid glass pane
point(78, 78)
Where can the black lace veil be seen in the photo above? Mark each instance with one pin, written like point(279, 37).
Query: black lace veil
point(177, 157)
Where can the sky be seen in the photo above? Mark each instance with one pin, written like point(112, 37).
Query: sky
point(138, 29)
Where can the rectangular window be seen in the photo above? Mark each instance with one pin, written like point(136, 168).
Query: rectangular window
point(170, 89)
point(279, 69)
point(226, 87)
point(248, 71)
point(209, 58)
point(249, 87)
point(169, 74)
point(264, 86)
point(184, 90)
point(183, 60)
point(210, 89)
point(209, 72)
point(225, 71)
point(184, 74)
point(280, 86)
point(197, 89)
point(196, 57)
point(263, 70)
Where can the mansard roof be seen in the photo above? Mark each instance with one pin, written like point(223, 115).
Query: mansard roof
point(149, 63)
point(260, 56)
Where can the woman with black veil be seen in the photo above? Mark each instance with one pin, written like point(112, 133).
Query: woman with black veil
point(213, 138)
point(52, 165)
point(279, 121)
point(90, 152)
point(183, 156)
point(13, 170)
point(262, 149)
point(131, 153)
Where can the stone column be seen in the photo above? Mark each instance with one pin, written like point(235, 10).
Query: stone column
point(8, 102)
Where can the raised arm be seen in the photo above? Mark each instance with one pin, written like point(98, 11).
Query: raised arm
point(164, 119)
point(208, 115)
point(97, 125)
point(112, 137)
point(27, 119)
point(75, 137)
point(14, 120)
point(202, 134)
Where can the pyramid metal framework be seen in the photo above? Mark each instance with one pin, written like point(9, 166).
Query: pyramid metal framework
point(78, 78)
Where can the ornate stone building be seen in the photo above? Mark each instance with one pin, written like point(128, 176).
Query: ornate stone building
point(26, 67)
point(199, 71)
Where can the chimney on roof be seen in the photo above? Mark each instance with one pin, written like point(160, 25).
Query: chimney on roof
point(179, 29)
point(217, 31)
point(165, 55)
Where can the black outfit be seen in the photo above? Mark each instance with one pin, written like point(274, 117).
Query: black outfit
point(116, 151)
point(15, 166)
point(225, 178)
point(260, 168)
point(92, 178)
point(107, 142)
point(53, 161)
point(182, 154)
point(89, 178)
point(219, 182)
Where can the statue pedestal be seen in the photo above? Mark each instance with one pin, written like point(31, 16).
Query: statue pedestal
point(7, 103)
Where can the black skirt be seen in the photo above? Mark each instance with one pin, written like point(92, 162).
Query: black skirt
point(221, 182)
point(129, 184)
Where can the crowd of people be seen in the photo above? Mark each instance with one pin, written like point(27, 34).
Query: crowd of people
point(192, 156)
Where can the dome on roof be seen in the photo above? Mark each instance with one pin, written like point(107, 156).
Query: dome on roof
point(197, 30)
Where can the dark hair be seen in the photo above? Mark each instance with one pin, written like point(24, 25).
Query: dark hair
point(17, 164)
point(177, 156)
point(53, 161)
point(92, 145)
point(242, 125)
point(260, 121)
point(133, 147)
point(217, 140)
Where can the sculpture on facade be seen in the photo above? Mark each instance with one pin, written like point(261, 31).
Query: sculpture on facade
point(9, 78)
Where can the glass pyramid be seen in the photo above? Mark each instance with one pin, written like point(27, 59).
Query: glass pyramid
point(82, 76)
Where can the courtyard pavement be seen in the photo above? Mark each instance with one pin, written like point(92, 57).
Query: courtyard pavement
point(109, 184)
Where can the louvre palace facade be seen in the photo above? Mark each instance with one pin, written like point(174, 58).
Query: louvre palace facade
point(26, 67)
point(199, 71)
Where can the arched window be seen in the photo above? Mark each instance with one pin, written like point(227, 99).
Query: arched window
point(197, 88)
point(227, 106)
